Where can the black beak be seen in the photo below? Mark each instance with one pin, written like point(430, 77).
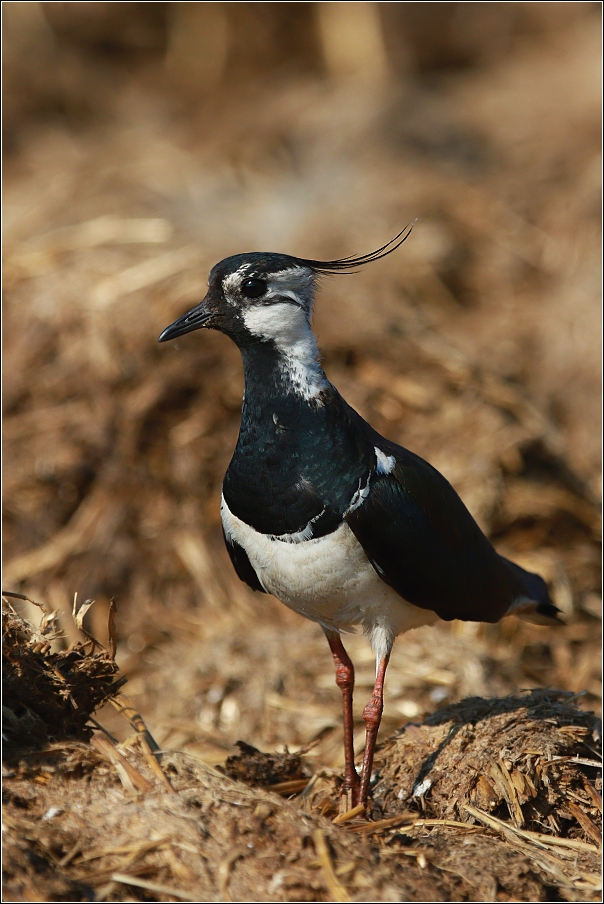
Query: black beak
point(195, 319)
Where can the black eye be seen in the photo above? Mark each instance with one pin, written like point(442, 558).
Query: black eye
point(254, 288)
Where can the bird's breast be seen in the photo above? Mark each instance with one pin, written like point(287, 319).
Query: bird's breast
point(295, 462)
point(327, 579)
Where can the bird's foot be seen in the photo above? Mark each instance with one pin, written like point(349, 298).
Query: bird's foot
point(349, 793)
point(347, 801)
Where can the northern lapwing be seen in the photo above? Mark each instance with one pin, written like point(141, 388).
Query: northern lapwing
point(342, 525)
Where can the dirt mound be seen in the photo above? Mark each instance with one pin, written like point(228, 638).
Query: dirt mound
point(517, 757)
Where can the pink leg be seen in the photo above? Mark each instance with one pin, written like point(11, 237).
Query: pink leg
point(372, 714)
point(345, 681)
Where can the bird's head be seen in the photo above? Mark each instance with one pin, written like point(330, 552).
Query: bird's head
point(263, 297)
point(253, 297)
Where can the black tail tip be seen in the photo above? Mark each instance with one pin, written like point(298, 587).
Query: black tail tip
point(539, 613)
point(549, 611)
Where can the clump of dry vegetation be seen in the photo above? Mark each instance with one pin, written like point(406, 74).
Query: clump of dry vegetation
point(134, 163)
point(50, 695)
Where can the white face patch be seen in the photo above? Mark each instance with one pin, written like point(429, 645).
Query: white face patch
point(385, 463)
point(284, 323)
point(287, 323)
point(282, 315)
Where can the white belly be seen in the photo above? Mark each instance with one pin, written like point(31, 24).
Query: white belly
point(328, 580)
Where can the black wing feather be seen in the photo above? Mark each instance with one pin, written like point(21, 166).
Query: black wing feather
point(425, 544)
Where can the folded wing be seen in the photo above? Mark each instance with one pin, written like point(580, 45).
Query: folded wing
point(425, 544)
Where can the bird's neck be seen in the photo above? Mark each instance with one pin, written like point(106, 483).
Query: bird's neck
point(275, 372)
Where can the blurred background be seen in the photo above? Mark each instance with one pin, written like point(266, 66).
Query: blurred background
point(144, 142)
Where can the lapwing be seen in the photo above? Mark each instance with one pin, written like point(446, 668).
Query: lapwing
point(344, 526)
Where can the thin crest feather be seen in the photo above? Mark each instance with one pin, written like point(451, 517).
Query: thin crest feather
point(353, 261)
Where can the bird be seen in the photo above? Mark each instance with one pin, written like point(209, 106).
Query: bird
point(341, 524)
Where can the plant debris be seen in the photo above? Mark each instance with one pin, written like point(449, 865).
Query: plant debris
point(49, 695)
point(253, 767)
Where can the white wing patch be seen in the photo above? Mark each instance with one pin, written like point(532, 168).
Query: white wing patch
point(385, 463)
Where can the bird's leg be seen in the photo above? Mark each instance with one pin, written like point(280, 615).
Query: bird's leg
point(372, 714)
point(345, 681)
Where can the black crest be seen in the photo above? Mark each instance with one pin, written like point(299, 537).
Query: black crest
point(353, 261)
